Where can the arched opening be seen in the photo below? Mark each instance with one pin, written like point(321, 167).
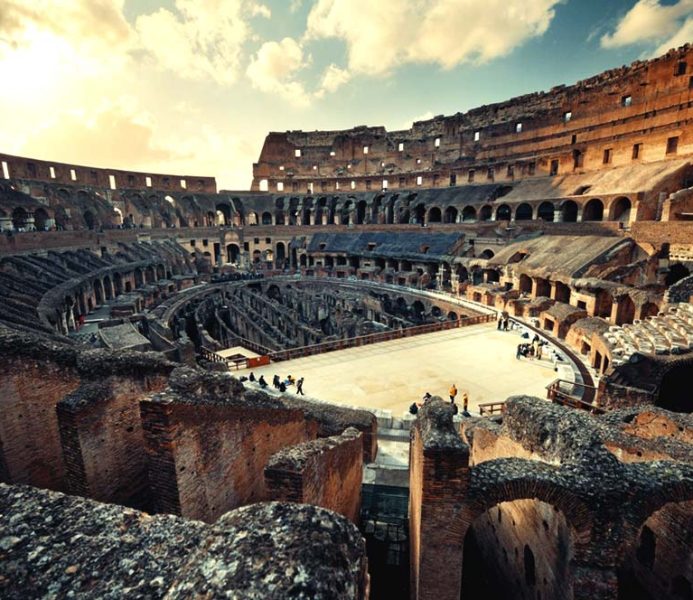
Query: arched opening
point(434, 215)
point(279, 217)
point(625, 312)
point(233, 251)
point(390, 211)
point(266, 218)
point(251, 219)
point(543, 287)
point(487, 254)
point(658, 564)
point(41, 219)
point(676, 272)
point(593, 211)
point(523, 212)
point(257, 257)
point(525, 284)
point(418, 311)
point(453, 316)
point(436, 312)
point(224, 214)
point(468, 214)
point(19, 218)
point(620, 210)
point(420, 213)
point(118, 282)
point(562, 292)
point(518, 549)
point(485, 213)
point(89, 219)
point(361, 212)
point(649, 309)
point(569, 211)
point(280, 260)
point(451, 214)
point(603, 304)
point(545, 211)
point(503, 213)
point(303, 260)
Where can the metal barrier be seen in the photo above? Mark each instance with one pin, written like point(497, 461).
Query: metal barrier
point(375, 338)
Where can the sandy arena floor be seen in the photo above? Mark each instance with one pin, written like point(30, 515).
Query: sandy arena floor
point(391, 375)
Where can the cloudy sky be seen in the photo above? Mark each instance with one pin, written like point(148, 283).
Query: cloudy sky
point(193, 86)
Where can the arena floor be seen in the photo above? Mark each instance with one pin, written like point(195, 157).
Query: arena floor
point(391, 375)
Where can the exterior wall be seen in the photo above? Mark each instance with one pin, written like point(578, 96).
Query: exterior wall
point(29, 437)
point(206, 459)
point(646, 103)
point(20, 167)
point(329, 476)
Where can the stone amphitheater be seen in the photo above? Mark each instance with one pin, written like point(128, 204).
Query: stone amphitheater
point(140, 459)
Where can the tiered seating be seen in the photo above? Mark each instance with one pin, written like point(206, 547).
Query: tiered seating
point(670, 332)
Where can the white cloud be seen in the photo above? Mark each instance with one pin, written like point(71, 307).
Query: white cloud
point(332, 79)
point(385, 34)
point(205, 40)
point(274, 67)
point(651, 21)
point(260, 10)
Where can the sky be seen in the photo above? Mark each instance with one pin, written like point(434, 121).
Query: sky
point(192, 87)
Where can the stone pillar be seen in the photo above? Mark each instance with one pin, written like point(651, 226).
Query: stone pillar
point(6, 224)
point(553, 289)
point(557, 215)
point(578, 219)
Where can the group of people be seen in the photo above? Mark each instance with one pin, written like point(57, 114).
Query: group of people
point(452, 392)
point(530, 350)
point(281, 384)
point(503, 321)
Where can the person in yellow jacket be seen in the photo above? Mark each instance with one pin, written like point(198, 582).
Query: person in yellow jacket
point(453, 393)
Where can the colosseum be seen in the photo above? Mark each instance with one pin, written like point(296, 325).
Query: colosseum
point(537, 254)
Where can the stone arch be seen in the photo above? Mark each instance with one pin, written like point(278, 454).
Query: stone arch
point(418, 310)
point(625, 312)
point(420, 213)
point(620, 210)
point(468, 213)
point(503, 213)
point(41, 219)
point(450, 215)
point(251, 218)
point(593, 210)
point(434, 215)
point(361, 210)
point(533, 483)
point(545, 211)
point(89, 219)
point(485, 213)
point(569, 211)
point(19, 218)
point(233, 252)
point(280, 255)
point(525, 284)
point(453, 316)
point(649, 309)
point(487, 253)
point(267, 218)
point(523, 212)
point(303, 260)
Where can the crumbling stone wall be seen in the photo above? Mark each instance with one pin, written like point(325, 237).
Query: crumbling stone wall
point(326, 472)
point(208, 444)
point(93, 550)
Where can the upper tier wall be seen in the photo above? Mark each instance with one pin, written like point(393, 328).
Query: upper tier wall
point(638, 113)
point(19, 167)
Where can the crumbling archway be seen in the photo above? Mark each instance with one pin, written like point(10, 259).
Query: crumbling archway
point(593, 211)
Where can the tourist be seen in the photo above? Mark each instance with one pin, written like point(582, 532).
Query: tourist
point(505, 323)
point(453, 393)
point(539, 350)
point(500, 321)
point(276, 381)
point(251, 377)
point(299, 387)
point(414, 408)
point(262, 381)
point(465, 402)
point(426, 397)
point(518, 354)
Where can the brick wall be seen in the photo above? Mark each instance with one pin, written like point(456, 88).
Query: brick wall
point(102, 440)
point(29, 435)
point(325, 472)
point(207, 459)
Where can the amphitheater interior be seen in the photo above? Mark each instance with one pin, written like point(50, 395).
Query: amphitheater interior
point(139, 458)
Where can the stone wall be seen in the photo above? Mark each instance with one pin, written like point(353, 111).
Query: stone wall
point(325, 472)
point(93, 550)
